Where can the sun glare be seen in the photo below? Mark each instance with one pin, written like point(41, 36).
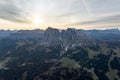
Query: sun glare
point(37, 21)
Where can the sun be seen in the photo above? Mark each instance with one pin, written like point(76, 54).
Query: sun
point(37, 21)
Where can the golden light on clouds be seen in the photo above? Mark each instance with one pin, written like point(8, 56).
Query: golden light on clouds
point(40, 14)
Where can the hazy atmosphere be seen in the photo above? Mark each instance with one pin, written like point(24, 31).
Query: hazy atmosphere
point(59, 39)
point(83, 14)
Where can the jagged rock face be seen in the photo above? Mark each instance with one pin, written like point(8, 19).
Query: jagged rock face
point(69, 36)
point(51, 35)
point(65, 38)
point(73, 37)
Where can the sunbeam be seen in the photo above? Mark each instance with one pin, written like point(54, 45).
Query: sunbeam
point(88, 9)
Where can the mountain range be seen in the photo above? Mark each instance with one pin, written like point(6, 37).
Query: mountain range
point(54, 54)
point(108, 34)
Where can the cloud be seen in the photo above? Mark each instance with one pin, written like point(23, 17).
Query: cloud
point(60, 10)
point(10, 11)
point(102, 20)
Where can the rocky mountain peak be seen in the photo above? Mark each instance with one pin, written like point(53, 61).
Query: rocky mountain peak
point(51, 34)
point(68, 37)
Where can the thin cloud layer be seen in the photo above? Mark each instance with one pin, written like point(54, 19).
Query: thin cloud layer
point(108, 19)
point(78, 12)
point(10, 11)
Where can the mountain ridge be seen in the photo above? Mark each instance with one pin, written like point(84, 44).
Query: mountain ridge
point(108, 34)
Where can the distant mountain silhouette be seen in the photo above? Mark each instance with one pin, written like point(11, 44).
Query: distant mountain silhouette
point(108, 34)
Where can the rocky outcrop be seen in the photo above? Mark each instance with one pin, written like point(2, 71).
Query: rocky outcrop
point(66, 38)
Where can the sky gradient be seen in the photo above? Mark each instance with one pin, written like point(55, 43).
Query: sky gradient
point(82, 14)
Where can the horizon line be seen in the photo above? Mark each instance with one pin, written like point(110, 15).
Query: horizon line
point(58, 29)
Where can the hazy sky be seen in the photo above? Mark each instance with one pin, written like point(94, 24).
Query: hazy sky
point(85, 14)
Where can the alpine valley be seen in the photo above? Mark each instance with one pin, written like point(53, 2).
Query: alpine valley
point(54, 54)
